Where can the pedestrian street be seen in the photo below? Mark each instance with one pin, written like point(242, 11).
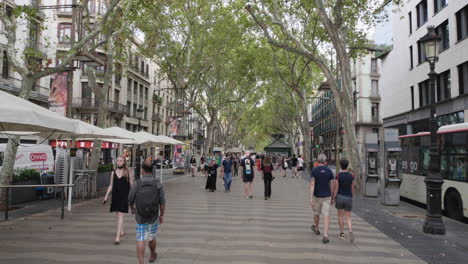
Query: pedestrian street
point(201, 227)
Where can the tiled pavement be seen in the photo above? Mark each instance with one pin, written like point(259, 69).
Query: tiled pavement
point(201, 227)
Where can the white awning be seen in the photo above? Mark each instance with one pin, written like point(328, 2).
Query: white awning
point(17, 114)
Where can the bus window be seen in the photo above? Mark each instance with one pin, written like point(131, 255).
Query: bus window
point(454, 157)
point(1, 158)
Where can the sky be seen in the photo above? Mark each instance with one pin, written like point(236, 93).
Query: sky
point(383, 32)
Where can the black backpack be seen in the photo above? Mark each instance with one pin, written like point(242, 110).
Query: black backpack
point(147, 198)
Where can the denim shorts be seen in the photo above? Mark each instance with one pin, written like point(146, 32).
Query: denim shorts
point(344, 203)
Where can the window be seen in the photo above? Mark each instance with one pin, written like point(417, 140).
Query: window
point(412, 97)
point(421, 10)
point(5, 66)
point(33, 34)
point(439, 4)
point(375, 111)
point(64, 33)
point(424, 93)
point(375, 88)
point(462, 23)
point(463, 78)
point(411, 57)
point(421, 53)
point(454, 157)
point(443, 86)
point(410, 23)
point(443, 31)
point(374, 66)
point(62, 6)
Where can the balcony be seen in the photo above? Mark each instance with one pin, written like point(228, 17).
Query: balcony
point(13, 86)
point(157, 118)
point(91, 104)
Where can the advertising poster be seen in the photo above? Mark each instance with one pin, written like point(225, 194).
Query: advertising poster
point(173, 126)
point(58, 93)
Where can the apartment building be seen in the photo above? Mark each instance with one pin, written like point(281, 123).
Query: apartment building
point(325, 121)
point(28, 35)
point(404, 81)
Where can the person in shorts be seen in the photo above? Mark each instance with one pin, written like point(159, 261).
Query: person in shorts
point(343, 193)
point(248, 166)
point(321, 186)
point(294, 163)
point(147, 195)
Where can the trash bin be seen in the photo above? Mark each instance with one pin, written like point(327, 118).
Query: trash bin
point(372, 185)
point(391, 195)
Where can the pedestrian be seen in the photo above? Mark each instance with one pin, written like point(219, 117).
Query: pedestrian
point(236, 167)
point(212, 170)
point(284, 164)
point(202, 164)
point(258, 163)
point(300, 163)
point(343, 191)
point(120, 183)
point(147, 195)
point(267, 168)
point(321, 186)
point(248, 176)
point(294, 163)
point(193, 165)
point(227, 172)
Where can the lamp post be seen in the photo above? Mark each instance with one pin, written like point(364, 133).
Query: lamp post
point(433, 223)
point(138, 155)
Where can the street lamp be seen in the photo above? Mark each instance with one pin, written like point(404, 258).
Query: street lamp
point(139, 115)
point(433, 224)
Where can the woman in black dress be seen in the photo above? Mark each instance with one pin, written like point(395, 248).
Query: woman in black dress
point(212, 170)
point(120, 184)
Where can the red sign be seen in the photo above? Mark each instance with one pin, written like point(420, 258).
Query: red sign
point(38, 156)
point(85, 144)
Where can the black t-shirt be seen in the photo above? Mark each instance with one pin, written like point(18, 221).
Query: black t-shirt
point(248, 166)
point(322, 176)
point(294, 162)
point(345, 181)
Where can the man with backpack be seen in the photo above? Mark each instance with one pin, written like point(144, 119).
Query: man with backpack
point(248, 165)
point(147, 195)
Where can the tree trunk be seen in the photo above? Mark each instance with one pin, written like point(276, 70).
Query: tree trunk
point(6, 174)
point(306, 147)
point(209, 137)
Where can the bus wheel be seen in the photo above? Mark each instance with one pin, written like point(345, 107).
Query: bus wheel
point(453, 205)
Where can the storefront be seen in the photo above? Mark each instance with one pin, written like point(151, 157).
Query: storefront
point(128, 154)
point(108, 149)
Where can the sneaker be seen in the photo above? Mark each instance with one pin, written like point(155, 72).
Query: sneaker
point(325, 240)
point(351, 237)
point(266, 198)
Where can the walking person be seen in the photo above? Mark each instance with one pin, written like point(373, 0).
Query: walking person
point(120, 183)
point(248, 176)
point(147, 195)
point(258, 163)
point(267, 168)
point(212, 170)
point(321, 186)
point(284, 165)
point(227, 172)
point(294, 163)
point(236, 167)
point(193, 165)
point(343, 191)
point(202, 164)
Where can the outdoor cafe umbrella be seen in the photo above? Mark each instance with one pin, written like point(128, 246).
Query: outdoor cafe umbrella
point(171, 141)
point(17, 114)
point(131, 138)
point(84, 130)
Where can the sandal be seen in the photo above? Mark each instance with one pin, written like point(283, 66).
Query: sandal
point(315, 230)
point(341, 236)
point(325, 240)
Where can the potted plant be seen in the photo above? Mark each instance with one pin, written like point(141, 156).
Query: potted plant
point(24, 176)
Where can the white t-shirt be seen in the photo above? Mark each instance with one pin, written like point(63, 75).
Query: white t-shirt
point(301, 162)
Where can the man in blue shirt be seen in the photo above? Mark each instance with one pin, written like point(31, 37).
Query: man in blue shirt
point(321, 186)
point(227, 172)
